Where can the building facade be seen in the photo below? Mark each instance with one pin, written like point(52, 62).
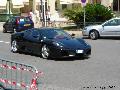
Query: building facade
point(25, 6)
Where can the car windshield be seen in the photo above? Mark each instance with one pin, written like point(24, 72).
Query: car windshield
point(24, 19)
point(52, 34)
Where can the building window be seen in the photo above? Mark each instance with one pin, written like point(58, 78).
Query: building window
point(64, 6)
point(116, 5)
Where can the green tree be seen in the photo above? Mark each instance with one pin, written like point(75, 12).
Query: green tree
point(94, 13)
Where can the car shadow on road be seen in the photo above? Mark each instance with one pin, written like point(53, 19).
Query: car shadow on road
point(70, 58)
point(110, 38)
point(105, 38)
point(58, 59)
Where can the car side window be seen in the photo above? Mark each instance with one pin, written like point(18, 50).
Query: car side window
point(11, 20)
point(113, 22)
point(34, 35)
point(118, 21)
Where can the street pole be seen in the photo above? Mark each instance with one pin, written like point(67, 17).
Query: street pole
point(44, 14)
point(83, 5)
point(84, 16)
point(34, 6)
point(41, 12)
point(9, 8)
point(118, 5)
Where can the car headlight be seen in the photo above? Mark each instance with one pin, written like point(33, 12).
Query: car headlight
point(85, 28)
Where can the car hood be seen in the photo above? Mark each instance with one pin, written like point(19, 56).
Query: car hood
point(72, 43)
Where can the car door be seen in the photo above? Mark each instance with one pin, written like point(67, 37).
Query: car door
point(27, 40)
point(118, 27)
point(35, 41)
point(110, 28)
point(32, 41)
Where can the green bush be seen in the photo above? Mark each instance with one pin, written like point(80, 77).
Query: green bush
point(94, 13)
point(5, 17)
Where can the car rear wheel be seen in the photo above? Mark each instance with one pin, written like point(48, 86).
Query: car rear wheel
point(94, 35)
point(14, 46)
point(1, 88)
point(4, 30)
point(45, 52)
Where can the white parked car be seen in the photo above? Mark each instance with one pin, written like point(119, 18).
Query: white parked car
point(110, 28)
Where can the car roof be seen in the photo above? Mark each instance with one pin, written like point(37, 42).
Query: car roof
point(19, 16)
point(116, 18)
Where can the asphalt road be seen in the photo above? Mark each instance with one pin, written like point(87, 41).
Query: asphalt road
point(101, 71)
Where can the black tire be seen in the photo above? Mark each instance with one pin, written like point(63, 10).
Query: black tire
point(4, 30)
point(94, 35)
point(13, 31)
point(14, 46)
point(45, 52)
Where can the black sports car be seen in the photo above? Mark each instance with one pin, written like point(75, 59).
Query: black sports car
point(49, 43)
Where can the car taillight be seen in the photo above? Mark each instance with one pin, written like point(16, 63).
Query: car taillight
point(17, 21)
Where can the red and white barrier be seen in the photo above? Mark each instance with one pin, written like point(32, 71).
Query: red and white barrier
point(22, 68)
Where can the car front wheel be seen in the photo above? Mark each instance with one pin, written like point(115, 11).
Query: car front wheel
point(14, 46)
point(94, 35)
point(45, 52)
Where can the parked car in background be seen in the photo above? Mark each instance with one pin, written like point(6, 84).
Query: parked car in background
point(17, 24)
point(49, 43)
point(110, 28)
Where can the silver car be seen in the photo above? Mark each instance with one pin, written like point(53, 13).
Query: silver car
point(110, 28)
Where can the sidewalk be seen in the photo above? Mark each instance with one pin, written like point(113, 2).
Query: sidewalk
point(1, 25)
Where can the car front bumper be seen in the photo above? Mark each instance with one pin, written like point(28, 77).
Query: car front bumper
point(61, 53)
point(85, 33)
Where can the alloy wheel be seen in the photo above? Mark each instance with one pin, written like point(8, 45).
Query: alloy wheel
point(14, 46)
point(4, 30)
point(45, 52)
point(94, 35)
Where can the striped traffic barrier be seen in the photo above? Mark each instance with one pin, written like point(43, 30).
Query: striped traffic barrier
point(18, 75)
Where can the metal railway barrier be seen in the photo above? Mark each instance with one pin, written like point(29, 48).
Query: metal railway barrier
point(18, 76)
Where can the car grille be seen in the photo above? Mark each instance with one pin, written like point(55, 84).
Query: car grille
point(73, 52)
point(67, 52)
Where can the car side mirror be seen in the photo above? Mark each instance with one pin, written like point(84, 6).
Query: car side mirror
point(103, 25)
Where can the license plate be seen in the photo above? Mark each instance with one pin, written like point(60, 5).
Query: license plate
point(79, 51)
point(26, 24)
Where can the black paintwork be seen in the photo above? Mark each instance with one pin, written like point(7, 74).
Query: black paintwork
point(60, 43)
